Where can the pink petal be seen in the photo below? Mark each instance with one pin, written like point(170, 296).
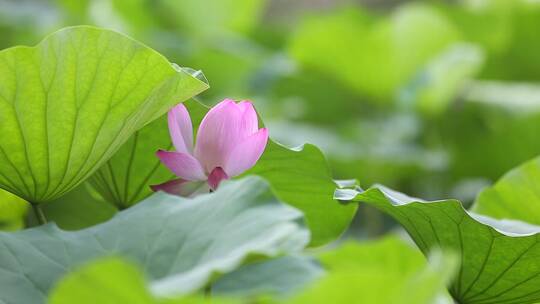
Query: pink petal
point(250, 121)
point(182, 164)
point(215, 177)
point(220, 130)
point(181, 187)
point(181, 129)
point(247, 153)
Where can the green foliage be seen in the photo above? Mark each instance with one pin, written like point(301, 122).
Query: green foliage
point(384, 54)
point(386, 271)
point(80, 208)
point(110, 280)
point(493, 131)
point(300, 178)
point(113, 280)
point(368, 267)
point(437, 84)
point(434, 98)
point(235, 16)
point(278, 277)
point(498, 258)
point(180, 243)
point(126, 178)
point(515, 196)
point(12, 211)
point(506, 29)
point(70, 102)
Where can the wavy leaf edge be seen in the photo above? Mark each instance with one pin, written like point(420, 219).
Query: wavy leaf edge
point(506, 227)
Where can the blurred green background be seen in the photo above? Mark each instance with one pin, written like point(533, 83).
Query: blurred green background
point(436, 98)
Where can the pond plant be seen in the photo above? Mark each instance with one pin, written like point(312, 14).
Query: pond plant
point(120, 186)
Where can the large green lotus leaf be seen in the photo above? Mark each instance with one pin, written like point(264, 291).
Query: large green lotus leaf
point(113, 280)
point(12, 211)
point(126, 178)
point(384, 271)
point(300, 178)
point(67, 104)
point(499, 258)
point(180, 243)
point(514, 196)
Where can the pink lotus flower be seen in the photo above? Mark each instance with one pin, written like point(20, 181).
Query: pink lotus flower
point(229, 142)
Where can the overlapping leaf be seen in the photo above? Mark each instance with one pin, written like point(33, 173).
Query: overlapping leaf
point(499, 258)
point(70, 102)
point(180, 243)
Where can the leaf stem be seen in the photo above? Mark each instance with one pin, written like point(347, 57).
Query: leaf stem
point(208, 287)
point(208, 290)
point(40, 216)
